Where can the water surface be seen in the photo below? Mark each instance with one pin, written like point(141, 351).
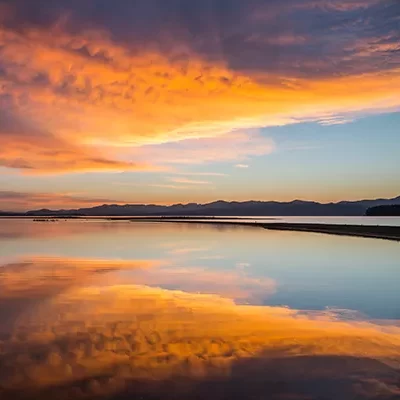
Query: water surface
point(299, 270)
point(100, 307)
point(374, 221)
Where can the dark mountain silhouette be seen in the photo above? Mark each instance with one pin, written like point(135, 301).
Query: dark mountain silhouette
point(224, 208)
point(384, 211)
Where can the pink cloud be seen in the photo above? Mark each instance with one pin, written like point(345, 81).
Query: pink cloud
point(230, 147)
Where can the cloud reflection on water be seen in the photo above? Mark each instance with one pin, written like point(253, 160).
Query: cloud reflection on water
point(73, 337)
point(25, 283)
point(235, 285)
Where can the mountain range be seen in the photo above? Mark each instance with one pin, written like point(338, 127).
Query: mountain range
point(223, 208)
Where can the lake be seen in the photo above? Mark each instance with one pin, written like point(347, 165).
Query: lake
point(102, 308)
point(379, 221)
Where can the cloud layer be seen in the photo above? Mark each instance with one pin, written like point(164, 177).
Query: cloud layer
point(25, 200)
point(80, 82)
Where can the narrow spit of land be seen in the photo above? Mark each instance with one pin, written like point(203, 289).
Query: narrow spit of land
point(367, 231)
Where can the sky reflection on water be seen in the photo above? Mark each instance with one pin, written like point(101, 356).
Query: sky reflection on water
point(95, 309)
point(300, 270)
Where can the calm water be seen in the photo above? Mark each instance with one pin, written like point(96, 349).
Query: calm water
point(382, 221)
point(99, 308)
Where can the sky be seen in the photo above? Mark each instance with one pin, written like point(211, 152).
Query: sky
point(154, 101)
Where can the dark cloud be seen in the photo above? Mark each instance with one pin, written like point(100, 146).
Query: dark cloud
point(299, 38)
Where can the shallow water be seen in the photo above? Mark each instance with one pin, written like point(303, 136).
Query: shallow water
point(91, 308)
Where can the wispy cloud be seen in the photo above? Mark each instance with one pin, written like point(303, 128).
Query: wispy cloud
point(201, 173)
point(241, 166)
point(334, 120)
point(212, 257)
point(187, 250)
point(167, 186)
point(292, 145)
point(243, 265)
point(189, 181)
point(232, 147)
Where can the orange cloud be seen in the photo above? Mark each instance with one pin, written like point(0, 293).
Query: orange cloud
point(97, 97)
point(33, 151)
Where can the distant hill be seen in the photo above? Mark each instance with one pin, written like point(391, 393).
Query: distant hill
point(384, 211)
point(224, 208)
